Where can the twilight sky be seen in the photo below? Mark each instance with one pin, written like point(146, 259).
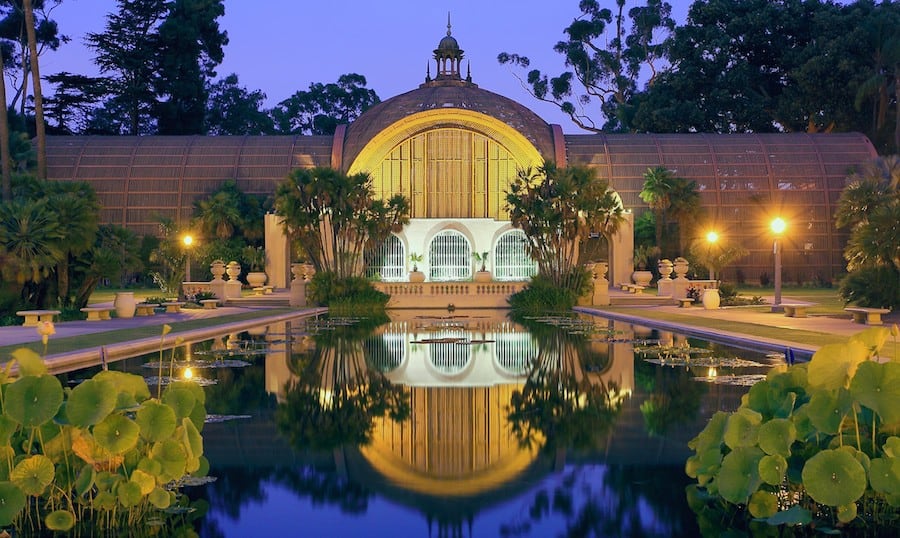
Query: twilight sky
point(281, 46)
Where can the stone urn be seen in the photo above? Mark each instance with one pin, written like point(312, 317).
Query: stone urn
point(125, 304)
point(234, 270)
point(256, 279)
point(711, 298)
point(297, 271)
point(482, 276)
point(217, 268)
point(680, 267)
point(641, 277)
point(416, 276)
point(665, 267)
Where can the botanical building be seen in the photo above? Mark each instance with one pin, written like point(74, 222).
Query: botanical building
point(452, 148)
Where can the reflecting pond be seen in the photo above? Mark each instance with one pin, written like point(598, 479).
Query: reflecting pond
point(459, 424)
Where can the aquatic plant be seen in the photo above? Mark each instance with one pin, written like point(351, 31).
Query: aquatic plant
point(814, 444)
point(102, 455)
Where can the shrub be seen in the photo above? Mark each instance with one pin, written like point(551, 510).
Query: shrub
point(327, 289)
point(876, 287)
point(542, 296)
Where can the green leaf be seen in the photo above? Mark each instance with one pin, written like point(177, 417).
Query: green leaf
point(60, 520)
point(776, 436)
point(772, 469)
point(160, 498)
point(877, 386)
point(834, 478)
point(884, 475)
point(827, 408)
point(833, 365)
point(873, 338)
point(8, 427)
point(172, 458)
point(131, 389)
point(763, 504)
point(739, 475)
point(892, 446)
point(846, 513)
point(795, 515)
point(90, 402)
point(33, 475)
point(117, 434)
point(180, 399)
point(12, 502)
point(742, 428)
point(32, 401)
point(156, 420)
point(129, 494)
point(85, 480)
point(30, 363)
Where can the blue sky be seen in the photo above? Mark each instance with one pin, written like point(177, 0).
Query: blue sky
point(390, 42)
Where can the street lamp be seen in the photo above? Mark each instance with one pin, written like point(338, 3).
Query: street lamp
point(711, 238)
point(188, 240)
point(777, 226)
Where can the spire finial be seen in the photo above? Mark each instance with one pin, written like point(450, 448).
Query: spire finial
point(448, 23)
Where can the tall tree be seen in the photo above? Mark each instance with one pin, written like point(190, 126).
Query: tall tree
point(5, 168)
point(606, 57)
point(656, 193)
point(76, 205)
point(126, 54)
point(190, 47)
point(234, 110)
point(73, 101)
point(40, 129)
point(323, 107)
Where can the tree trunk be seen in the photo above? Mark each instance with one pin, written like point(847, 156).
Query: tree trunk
point(38, 97)
point(5, 172)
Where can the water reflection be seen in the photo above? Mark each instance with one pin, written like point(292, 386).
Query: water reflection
point(462, 425)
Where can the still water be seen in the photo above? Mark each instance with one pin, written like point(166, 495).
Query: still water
point(452, 425)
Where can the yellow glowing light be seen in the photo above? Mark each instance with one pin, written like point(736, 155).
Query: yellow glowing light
point(712, 236)
point(188, 373)
point(188, 240)
point(712, 373)
point(778, 226)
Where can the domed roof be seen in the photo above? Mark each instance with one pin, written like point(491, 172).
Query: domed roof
point(444, 95)
point(448, 45)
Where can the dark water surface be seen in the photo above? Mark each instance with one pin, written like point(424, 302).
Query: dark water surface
point(452, 425)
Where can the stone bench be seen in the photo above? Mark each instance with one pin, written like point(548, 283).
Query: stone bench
point(867, 316)
point(210, 304)
point(796, 310)
point(145, 309)
point(637, 290)
point(685, 302)
point(33, 317)
point(98, 313)
point(173, 308)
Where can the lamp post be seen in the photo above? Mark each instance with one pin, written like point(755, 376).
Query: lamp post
point(188, 240)
point(778, 226)
point(711, 238)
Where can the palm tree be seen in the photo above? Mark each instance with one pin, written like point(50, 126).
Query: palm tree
point(77, 206)
point(38, 95)
point(32, 236)
point(685, 207)
point(5, 172)
point(218, 215)
point(656, 193)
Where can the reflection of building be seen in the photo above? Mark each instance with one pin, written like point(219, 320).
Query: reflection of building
point(452, 148)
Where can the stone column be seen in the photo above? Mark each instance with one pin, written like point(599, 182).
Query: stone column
point(233, 286)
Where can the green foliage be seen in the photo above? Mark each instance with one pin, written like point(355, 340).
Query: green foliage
point(875, 287)
point(328, 289)
point(323, 107)
point(76, 450)
point(543, 296)
point(801, 448)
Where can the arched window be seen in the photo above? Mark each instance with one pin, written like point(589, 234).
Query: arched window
point(388, 261)
point(450, 256)
point(511, 259)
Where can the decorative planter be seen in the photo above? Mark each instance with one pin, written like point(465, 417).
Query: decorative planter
point(711, 298)
point(125, 304)
point(297, 271)
point(665, 267)
point(642, 278)
point(416, 276)
point(256, 279)
point(233, 269)
point(482, 276)
point(217, 268)
point(680, 267)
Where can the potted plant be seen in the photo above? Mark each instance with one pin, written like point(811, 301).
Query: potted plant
point(482, 275)
point(643, 255)
point(415, 275)
point(255, 258)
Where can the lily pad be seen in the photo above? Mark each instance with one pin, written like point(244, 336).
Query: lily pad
point(742, 428)
point(32, 475)
point(892, 446)
point(156, 420)
point(32, 401)
point(776, 436)
point(131, 389)
point(12, 502)
point(763, 504)
point(846, 513)
point(180, 399)
point(191, 387)
point(834, 478)
point(90, 402)
point(143, 479)
point(30, 363)
point(739, 475)
point(129, 494)
point(877, 386)
point(772, 469)
point(117, 434)
point(884, 475)
point(60, 520)
point(833, 365)
point(160, 498)
point(827, 408)
point(172, 458)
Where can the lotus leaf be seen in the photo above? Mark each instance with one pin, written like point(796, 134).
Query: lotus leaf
point(12, 501)
point(180, 399)
point(150, 466)
point(8, 427)
point(172, 457)
point(7, 453)
point(884, 475)
point(192, 387)
point(772, 469)
point(877, 386)
point(833, 365)
point(858, 455)
point(763, 504)
point(160, 498)
point(31, 400)
point(131, 388)
point(892, 446)
point(60, 520)
point(33, 474)
point(742, 428)
point(105, 500)
point(873, 338)
point(90, 402)
point(198, 415)
point(712, 434)
point(107, 481)
point(117, 434)
point(204, 467)
point(58, 447)
point(776, 436)
point(834, 478)
point(85, 480)
point(157, 421)
point(192, 439)
point(739, 475)
point(84, 446)
point(846, 513)
point(129, 494)
point(145, 480)
point(795, 515)
point(30, 363)
point(826, 409)
point(791, 380)
point(802, 424)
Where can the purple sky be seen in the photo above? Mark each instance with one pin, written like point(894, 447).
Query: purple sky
point(389, 42)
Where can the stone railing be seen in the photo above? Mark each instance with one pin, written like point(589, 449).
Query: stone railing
point(444, 294)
